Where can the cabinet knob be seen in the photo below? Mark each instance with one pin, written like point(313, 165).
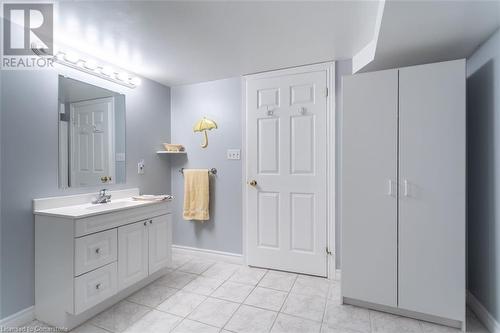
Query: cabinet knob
point(150, 221)
point(253, 182)
point(145, 223)
point(98, 286)
point(97, 250)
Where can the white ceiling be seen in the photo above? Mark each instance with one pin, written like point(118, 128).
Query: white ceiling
point(180, 42)
point(184, 42)
point(416, 32)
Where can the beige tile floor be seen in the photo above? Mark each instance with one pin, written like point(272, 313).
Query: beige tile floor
point(203, 297)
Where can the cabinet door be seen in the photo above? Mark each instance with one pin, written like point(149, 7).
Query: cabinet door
point(368, 187)
point(160, 242)
point(132, 253)
point(432, 197)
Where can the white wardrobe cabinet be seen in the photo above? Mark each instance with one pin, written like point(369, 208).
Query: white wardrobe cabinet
point(403, 191)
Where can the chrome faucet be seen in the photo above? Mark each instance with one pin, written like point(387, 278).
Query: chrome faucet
point(102, 197)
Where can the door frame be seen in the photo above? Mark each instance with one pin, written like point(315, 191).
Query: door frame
point(329, 67)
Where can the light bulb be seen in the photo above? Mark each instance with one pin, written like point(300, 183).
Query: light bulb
point(71, 57)
point(60, 56)
point(136, 81)
point(90, 64)
point(108, 71)
point(122, 76)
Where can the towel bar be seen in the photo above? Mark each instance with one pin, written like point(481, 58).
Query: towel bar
point(212, 171)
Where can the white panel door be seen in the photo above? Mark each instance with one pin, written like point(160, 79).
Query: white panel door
point(432, 197)
point(369, 189)
point(132, 253)
point(92, 141)
point(287, 158)
point(160, 242)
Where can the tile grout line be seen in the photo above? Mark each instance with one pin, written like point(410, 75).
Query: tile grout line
point(254, 287)
point(127, 300)
point(284, 302)
point(206, 297)
point(209, 296)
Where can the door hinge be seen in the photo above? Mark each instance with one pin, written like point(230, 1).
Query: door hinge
point(326, 92)
point(328, 252)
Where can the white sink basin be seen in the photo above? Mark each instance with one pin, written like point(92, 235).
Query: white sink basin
point(110, 205)
point(89, 209)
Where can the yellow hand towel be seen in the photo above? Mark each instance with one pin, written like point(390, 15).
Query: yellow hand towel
point(196, 194)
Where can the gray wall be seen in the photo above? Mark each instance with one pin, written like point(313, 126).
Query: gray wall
point(221, 101)
point(29, 155)
point(483, 175)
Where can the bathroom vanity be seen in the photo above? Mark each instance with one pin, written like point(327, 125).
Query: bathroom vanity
point(90, 256)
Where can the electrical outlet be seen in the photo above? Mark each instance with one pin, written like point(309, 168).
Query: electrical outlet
point(140, 167)
point(233, 154)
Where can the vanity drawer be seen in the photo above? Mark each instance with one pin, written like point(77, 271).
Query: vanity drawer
point(92, 224)
point(96, 250)
point(95, 287)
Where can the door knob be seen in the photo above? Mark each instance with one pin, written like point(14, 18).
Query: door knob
point(253, 182)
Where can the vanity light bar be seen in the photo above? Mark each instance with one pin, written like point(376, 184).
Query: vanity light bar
point(90, 66)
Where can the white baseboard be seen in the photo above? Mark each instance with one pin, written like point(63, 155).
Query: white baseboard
point(482, 313)
point(20, 318)
point(228, 257)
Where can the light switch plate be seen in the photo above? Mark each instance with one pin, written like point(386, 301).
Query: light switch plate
point(233, 154)
point(140, 167)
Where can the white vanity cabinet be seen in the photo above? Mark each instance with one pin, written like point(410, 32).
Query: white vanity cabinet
point(88, 257)
point(144, 248)
point(160, 228)
point(133, 249)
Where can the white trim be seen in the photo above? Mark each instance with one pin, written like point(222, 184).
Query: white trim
point(233, 258)
point(331, 151)
point(20, 318)
point(338, 274)
point(367, 53)
point(244, 168)
point(482, 313)
point(405, 313)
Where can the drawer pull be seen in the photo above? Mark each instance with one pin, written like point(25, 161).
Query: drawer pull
point(98, 250)
point(98, 286)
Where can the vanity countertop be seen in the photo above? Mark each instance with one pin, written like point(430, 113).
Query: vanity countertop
point(86, 210)
point(80, 206)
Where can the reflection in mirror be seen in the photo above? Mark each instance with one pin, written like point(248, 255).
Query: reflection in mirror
point(91, 135)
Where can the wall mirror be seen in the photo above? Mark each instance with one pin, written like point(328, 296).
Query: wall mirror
point(91, 135)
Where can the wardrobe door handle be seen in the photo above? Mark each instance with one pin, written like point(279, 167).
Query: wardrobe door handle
point(390, 191)
point(405, 188)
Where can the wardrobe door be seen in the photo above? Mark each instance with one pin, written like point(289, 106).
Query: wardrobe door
point(432, 192)
point(368, 204)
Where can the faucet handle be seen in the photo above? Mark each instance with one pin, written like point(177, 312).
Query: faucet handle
point(102, 192)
